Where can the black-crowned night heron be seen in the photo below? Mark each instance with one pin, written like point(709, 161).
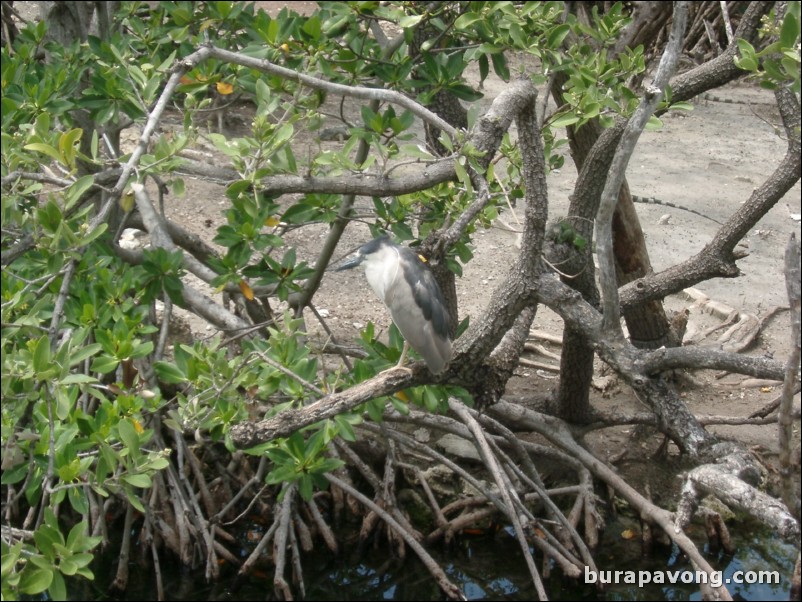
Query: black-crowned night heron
point(405, 283)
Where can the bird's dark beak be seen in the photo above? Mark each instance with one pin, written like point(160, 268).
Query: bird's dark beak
point(349, 263)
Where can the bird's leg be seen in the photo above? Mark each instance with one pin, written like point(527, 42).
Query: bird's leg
point(400, 365)
point(403, 357)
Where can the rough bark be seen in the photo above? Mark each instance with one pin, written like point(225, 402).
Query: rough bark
point(789, 462)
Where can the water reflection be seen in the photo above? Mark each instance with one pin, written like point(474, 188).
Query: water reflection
point(487, 567)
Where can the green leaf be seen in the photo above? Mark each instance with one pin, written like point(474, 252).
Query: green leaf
point(142, 481)
point(75, 537)
point(557, 35)
point(484, 68)
point(344, 428)
point(283, 134)
point(77, 189)
point(409, 21)
point(312, 28)
point(654, 123)
point(84, 559)
point(142, 350)
point(104, 364)
point(46, 536)
point(747, 59)
point(300, 213)
point(45, 149)
point(747, 64)
point(460, 171)
point(564, 120)
point(77, 378)
point(430, 400)
point(35, 580)
point(78, 501)
point(789, 34)
point(500, 66)
point(41, 356)
point(288, 260)
point(415, 151)
point(464, 92)
point(129, 436)
point(328, 465)
point(84, 353)
point(281, 474)
point(681, 106)
point(58, 588)
point(68, 567)
point(306, 487)
point(134, 500)
point(466, 20)
point(66, 145)
point(101, 228)
point(166, 63)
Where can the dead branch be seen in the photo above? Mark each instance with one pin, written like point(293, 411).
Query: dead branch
point(323, 528)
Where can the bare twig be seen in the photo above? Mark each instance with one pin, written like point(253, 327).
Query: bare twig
point(725, 14)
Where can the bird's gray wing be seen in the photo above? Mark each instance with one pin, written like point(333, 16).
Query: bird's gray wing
point(419, 311)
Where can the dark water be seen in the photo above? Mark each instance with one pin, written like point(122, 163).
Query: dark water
point(485, 568)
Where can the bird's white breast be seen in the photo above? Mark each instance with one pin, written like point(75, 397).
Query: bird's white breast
point(381, 270)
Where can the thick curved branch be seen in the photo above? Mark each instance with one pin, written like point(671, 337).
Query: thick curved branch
point(673, 415)
point(516, 292)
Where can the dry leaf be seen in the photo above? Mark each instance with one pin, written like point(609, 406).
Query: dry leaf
point(225, 88)
point(246, 290)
